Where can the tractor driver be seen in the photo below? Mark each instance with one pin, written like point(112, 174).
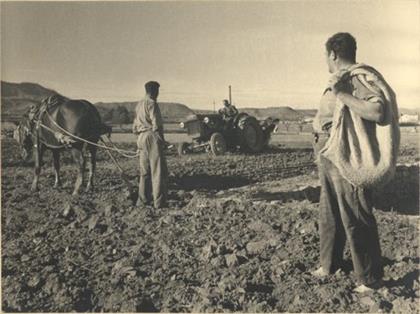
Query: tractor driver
point(228, 111)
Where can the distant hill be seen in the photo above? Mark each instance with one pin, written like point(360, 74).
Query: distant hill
point(25, 91)
point(171, 112)
point(307, 112)
point(312, 112)
point(203, 111)
point(16, 98)
point(282, 113)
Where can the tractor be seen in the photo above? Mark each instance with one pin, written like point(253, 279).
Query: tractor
point(214, 134)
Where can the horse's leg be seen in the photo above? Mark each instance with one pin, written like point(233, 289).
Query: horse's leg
point(56, 160)
point(38, 153)
point(92, 166)
point(80, 161)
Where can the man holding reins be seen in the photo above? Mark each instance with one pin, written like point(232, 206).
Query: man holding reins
point(148, 125)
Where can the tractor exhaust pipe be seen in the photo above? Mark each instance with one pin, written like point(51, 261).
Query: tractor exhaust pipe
point(230, 95)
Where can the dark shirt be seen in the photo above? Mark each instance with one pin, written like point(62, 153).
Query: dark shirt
point(228, 111)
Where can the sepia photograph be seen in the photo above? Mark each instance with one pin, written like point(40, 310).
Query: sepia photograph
point(210, 156)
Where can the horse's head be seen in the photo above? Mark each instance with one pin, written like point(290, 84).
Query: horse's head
point(22, 135)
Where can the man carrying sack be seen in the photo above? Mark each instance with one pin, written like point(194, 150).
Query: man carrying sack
point(358, 123)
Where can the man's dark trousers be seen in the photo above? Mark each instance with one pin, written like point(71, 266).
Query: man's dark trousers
point(346, 212)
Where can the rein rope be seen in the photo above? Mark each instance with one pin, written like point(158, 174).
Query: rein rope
point(122, 152)
point(50, 145)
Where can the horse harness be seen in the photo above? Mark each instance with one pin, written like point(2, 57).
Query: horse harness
point(63, 136)
point(36, 114)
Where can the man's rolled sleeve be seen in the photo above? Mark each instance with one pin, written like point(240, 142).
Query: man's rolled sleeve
point(366, 91)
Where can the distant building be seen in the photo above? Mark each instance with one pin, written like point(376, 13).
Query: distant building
point(409, 118)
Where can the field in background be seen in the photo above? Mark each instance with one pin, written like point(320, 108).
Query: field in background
point(287, 127)
point(287, 135)
point(126, 128)
point(292, 140)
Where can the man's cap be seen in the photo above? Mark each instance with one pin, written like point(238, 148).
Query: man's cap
point(151, 85)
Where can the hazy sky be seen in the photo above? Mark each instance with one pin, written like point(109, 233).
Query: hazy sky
point(272, 53)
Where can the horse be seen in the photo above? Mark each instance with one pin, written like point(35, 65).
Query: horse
point(56, 124)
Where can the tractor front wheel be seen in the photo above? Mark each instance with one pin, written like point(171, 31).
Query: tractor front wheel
point(217, 144)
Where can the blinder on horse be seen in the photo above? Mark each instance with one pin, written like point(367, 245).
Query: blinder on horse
point(22, 134)
point(33, 124)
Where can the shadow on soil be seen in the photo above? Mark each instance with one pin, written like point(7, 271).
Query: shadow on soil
point(208, 182)
point(308, 193)
point(402, 193)
point(406, 281)
point(282, 149)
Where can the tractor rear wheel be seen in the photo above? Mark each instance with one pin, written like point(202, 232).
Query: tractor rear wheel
point(217, 144)
point(253, 137)
point(183, 148)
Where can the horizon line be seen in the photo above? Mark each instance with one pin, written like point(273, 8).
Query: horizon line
point(206, 107)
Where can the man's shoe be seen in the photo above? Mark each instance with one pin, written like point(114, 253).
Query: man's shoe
point(369, 288)
point(161, 206)
point(140, 203)
point(320, 272)
point(362, 289)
